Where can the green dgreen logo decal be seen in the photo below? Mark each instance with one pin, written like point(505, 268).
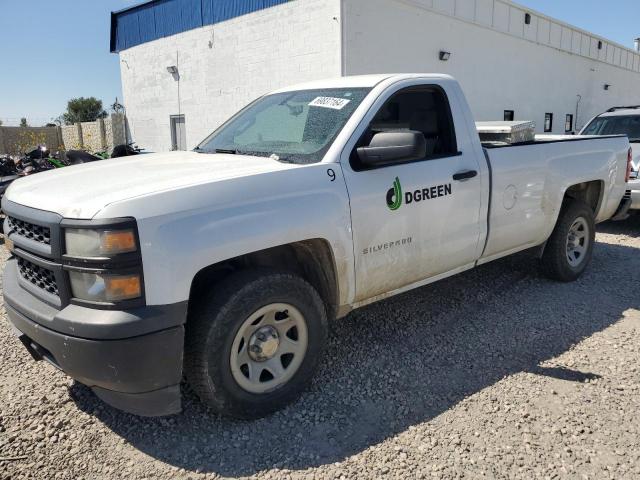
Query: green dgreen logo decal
point(394, 195)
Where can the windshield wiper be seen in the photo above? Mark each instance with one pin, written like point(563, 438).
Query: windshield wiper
point(233, 151)
point(217, 150)
point(282, 159)
point(274, 156)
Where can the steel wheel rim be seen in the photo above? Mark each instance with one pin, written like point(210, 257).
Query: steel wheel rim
point(578, 242)
point(269, 348)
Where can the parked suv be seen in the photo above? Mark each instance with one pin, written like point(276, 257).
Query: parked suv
point(622, 121)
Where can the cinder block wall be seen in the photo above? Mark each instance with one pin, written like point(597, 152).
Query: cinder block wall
point(93, 135)
point(115, 130)
point(103, 134)
point(18, 140)
point(72, 136)
point(97, 136)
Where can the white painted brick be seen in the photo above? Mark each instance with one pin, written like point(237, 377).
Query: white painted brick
point(501, 63)
point(250, 55)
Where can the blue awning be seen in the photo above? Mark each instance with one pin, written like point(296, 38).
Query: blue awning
point(161, 18)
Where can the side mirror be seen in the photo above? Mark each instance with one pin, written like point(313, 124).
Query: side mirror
point(393, 146)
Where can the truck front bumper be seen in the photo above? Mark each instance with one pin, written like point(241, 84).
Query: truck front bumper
point(119, 355)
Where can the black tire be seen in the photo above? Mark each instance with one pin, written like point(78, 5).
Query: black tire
point(555, 260)
point(77, 157)
point(216, 319)
point(122, 151)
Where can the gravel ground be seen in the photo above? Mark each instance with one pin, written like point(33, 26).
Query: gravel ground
point(496, 373)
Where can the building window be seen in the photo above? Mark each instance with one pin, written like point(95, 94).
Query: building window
point(568, 123)
point(178, 133)
point(548, 122)
point(509, 115)
point(527, 18)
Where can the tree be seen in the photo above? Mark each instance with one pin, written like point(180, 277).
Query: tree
point(23, 122)
point(83, 110)
point(0, 123)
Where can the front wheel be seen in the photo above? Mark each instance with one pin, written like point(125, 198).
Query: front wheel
point(253, 345)
point(570, 247)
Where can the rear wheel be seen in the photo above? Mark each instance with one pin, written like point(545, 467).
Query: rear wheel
point(570, 247)
point(253, 345)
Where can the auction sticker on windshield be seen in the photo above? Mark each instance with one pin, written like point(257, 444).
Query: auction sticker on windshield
point(330, 102)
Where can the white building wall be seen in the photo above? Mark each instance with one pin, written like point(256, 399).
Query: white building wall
point(502, 63)
point(223, 67)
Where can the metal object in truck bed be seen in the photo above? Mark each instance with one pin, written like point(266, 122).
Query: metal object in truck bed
point(506, 132)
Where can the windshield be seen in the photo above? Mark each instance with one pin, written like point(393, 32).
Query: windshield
point(295, 126)
point(628, 125)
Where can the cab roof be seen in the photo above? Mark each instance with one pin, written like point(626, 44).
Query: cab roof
point(361, 81)
point(621, 111)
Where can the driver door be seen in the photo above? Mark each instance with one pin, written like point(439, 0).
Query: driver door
point(412, 220)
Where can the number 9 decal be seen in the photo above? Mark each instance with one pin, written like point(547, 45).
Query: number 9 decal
point(332, 174)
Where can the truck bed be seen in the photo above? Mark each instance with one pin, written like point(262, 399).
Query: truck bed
point(528, 181)
point(546, 139)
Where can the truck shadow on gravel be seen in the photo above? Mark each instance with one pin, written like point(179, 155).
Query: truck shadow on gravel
point(400, 363)
point(630, 227)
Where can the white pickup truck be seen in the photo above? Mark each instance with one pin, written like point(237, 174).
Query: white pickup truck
point(225, 264)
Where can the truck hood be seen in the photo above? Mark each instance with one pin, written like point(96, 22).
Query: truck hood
point(81, 191)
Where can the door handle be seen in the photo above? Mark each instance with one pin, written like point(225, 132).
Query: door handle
point(466, 175)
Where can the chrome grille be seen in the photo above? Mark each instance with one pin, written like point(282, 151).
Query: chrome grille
point(31, 231)
point(40, 277)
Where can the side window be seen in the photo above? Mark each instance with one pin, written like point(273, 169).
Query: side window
point(633, 131)
point(422, 109)
point(548, 122)
point(509, 115)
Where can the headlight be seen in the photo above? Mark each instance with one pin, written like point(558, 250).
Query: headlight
point(85, 242)
point(105, 287)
